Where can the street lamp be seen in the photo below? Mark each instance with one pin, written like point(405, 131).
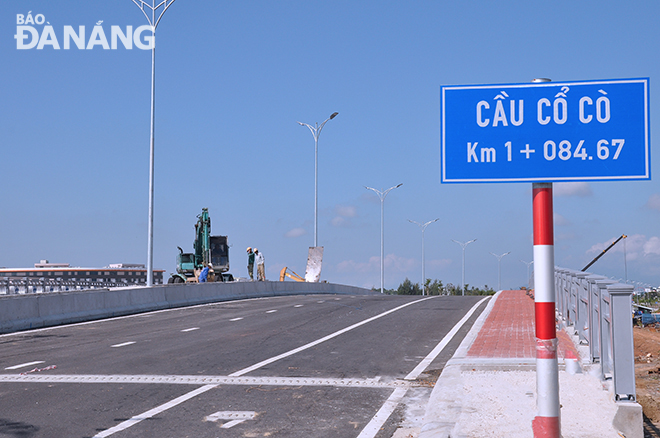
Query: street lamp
point(499, 269)
point(463, 245)
point(382, 195)
point(423, 227)
point(528, 265)
point(153, 22)
point(316, 131)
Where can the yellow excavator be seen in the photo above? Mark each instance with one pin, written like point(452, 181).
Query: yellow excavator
point(313, 271)
point(286, 272)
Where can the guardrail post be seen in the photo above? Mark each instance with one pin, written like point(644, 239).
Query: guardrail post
point(621, 332)
point(573, 306)
point(605, 329)
point(559, 288)
point(593, 292)
point(582, 295)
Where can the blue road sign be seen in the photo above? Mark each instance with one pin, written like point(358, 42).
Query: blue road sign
point(546, 132)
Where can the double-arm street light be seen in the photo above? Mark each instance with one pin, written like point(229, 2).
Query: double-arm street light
point(528, 265)
point(423, 227)
point(463, 245)
point(381, 195)
point(153, 17)
point(499, 269)
point(316, 132)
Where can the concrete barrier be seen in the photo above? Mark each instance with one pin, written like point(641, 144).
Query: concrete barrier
point(23, 312)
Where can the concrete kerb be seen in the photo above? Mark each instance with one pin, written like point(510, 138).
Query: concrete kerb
point(23, 312)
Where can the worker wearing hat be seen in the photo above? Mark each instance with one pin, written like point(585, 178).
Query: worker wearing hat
point(204, 275)
point(261, 267)
point(250, 263)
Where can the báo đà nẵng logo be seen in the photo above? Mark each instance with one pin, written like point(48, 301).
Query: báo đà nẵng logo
point(30, 37)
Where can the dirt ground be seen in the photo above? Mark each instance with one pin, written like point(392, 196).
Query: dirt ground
point(647, 377)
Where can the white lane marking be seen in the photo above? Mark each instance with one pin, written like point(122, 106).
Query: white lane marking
point(271, 311)
point(191, 329)
point(298, 305)
point(235, 417)
point(155, 411)
point(231, 424)
point(23, 365)
point(123, 344)
point(319, 341)
point(236, 319)
point(419, 369)
point(373, 427)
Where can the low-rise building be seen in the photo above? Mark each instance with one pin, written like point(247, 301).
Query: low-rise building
point(53, 277)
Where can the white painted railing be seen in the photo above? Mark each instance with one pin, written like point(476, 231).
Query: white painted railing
point(600, 311)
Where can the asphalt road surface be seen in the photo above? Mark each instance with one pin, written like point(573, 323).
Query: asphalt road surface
point(300, 366)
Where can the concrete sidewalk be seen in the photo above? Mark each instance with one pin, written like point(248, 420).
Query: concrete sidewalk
point(488, 388)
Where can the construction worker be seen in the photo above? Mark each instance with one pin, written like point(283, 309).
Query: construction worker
point(203, 276)
point(261, 268)
point(250, 263)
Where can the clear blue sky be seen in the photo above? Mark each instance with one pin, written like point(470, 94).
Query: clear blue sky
point(233, 78)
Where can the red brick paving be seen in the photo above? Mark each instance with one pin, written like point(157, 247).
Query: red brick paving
point(508, 331)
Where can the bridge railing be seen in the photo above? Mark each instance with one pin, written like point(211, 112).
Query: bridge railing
point(600, 311)
point(20, 286)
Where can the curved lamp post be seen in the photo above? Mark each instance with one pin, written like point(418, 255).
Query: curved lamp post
point(382, 195)
point(423, 227)
point(153, 17)
point(528, 265)
point(316, 132)
point(463, 245)
point(499, 269)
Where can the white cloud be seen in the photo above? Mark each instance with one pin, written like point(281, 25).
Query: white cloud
point(654, 202)
point(636, 246)
point(343, 213)
point(346, 210)
point(296, 232)
point(442, 263)
point(581, 189)
point(652, 246)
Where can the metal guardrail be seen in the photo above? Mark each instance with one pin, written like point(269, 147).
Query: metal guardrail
point(600, 310)
point(40, 285)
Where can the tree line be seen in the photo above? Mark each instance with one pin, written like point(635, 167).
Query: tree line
point(435, 287)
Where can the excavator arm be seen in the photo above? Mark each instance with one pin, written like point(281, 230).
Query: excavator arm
point(292, 275)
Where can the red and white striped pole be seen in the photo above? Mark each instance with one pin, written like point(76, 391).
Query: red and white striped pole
point(547, 423)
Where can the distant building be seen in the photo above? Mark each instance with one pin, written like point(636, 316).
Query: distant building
point(54, 277)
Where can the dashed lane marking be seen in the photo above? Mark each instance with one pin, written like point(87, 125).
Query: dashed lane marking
point(123, 344)
point(236, 319)
point(23, 365)
point(271, 311)
point(191, 329)
point(234, 417)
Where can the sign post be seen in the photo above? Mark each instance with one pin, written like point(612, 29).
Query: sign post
point(541, 133)
point(547, 423)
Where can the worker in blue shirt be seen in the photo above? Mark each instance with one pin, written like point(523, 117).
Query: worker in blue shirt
point(203, 276)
